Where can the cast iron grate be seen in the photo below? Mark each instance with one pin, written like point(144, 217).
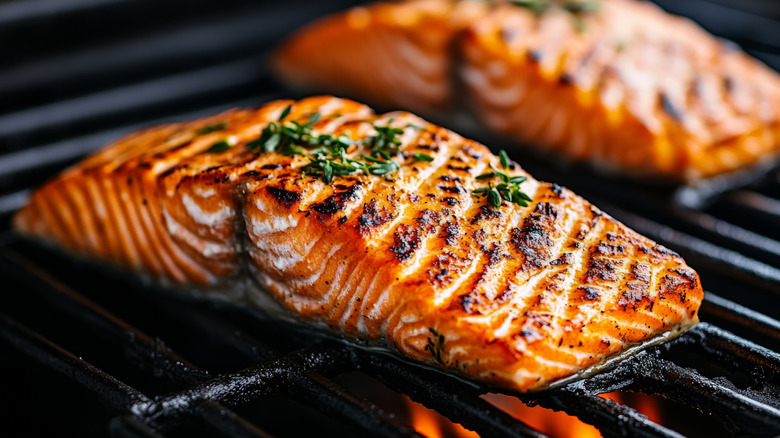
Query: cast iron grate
point(67, 92)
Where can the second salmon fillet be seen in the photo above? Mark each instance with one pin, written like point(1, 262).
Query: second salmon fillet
point(380, 227)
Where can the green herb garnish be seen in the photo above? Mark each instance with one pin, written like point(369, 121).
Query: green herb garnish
point(419, 156)
point(578, 8)
point(435, 345)
point(208, 129)
point(326, 153)
point(507, 190)
point(223, 145)
point(582, 6)
point(535, 6)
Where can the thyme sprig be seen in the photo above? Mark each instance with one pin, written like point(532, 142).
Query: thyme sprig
point(435, 345)
point(327, 154)
point(572, 6)
point(507, 190)
point(577, 8)
point(208, 129)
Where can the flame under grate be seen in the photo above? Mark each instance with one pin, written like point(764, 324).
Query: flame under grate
point(132, 349)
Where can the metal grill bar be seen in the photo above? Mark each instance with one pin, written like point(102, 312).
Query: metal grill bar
point(612, 419)
point(736, 411)
point(140, 347)
point(457, 401)
point(725, 310)
point(478, 415)
point(328, 398)
point(134, 97)
point(309, 387)
point(703, 253)
point(733, 350)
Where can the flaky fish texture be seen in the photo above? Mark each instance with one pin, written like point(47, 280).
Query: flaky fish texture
point(626, 87)
point(517, 296)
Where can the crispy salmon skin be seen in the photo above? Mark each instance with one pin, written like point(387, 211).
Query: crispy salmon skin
point(619, 84)
point(416, 254)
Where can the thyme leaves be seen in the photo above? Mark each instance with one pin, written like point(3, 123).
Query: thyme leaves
point(508, 188)
point(327, 154)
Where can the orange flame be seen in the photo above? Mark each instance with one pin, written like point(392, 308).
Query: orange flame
point(555, 424)
point(429, 423)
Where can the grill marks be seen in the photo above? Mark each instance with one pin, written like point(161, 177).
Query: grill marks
point(338, 201)
point(520, 296)
point(643, 78)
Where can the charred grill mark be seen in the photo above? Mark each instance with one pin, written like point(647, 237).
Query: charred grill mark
point(669, 108)
point(469, 303)
point(672, 286)
point(689, 275)
point(494, 254)
point(250, 173)
point(451, 201)
point(600, 269)
point(338, 201)
point(566, 79)
point(428, 147)
point(729, 83)
point(485, 212)
point(587, 228)
point(556, 190)
point(444, 267)
point(565, 259)
point(534, 238)
point(272, 166)
point(456, 189)
point(408, 237)
point(406, 242)
point(640, 272)
point(450, 232)
point(547, 209)
point(481, 303)
point(474, 154)
point(169, 172)
point(450, 178)
point(508, 34)
point(633, 295)
point(589, 293)
point(284, 196)
point(535, 55)
point(609, 250)
point(460, 168)
point(665, 251)
point(429, 221)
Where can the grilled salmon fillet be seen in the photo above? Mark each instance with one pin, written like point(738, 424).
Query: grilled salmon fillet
point(417, 258)
point(622, 85)
point(393, 54)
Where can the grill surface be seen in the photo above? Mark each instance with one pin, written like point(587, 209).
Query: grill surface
point(80, 343)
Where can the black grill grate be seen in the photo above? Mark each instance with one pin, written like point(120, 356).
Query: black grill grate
point(130, 350)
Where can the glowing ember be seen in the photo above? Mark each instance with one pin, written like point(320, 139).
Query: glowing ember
point(429, 423)
point(555, 424)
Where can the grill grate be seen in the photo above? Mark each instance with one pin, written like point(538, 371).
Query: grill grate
point(133, 349)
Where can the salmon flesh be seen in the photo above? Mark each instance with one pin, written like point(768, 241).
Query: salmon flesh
point(619, 84)
point(422, 255)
